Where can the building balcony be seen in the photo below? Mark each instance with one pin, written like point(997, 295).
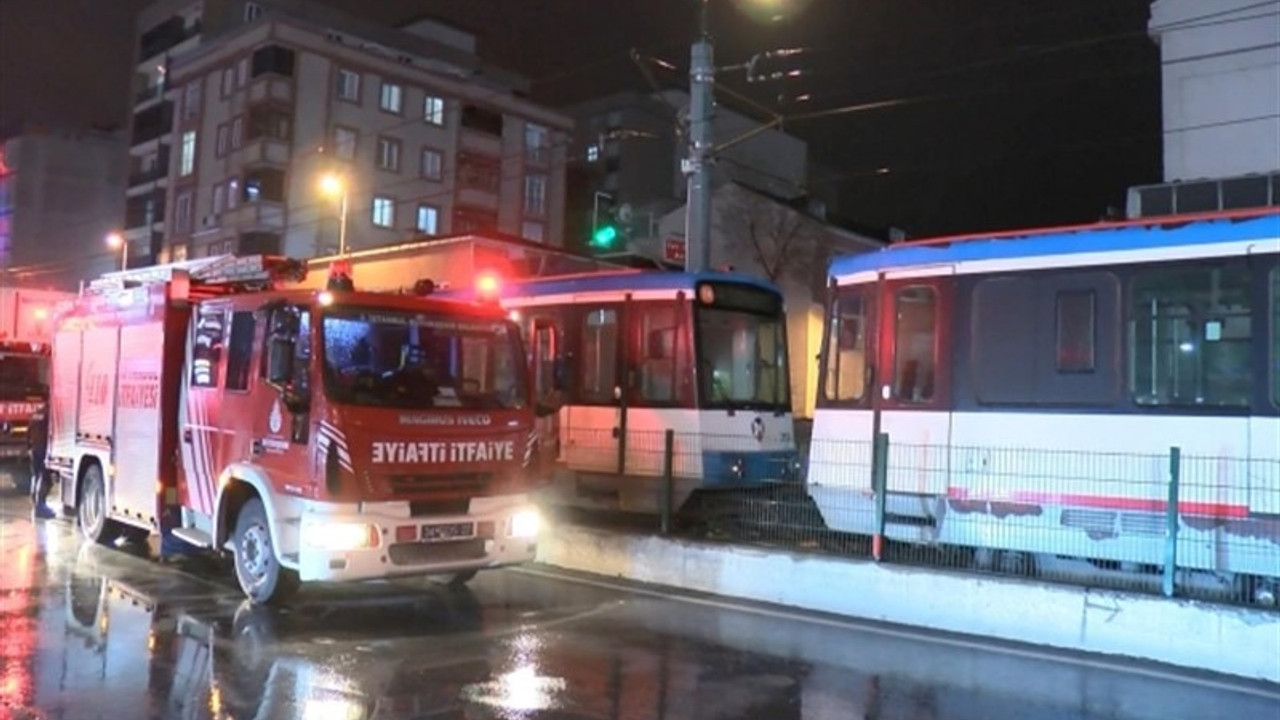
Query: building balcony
point(480, 143)
point(262, 151)
point(261, 215)
point(146, 95)
point(144, 177)
point(476, 198)
point(165, 37)
point(268, 88)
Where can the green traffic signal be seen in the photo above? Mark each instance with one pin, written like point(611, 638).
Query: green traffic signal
point(604, 236)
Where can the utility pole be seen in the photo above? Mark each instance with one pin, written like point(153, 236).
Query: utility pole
point(697, 229)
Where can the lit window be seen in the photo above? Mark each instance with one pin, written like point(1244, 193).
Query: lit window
point(432, 164)
point(384, 212)
point(233, 193)
point(390, 99)
point(348, 85)
point(535, 194)
point(593, 152)
point(433, 110)
point(187, 163)
point(428, 220)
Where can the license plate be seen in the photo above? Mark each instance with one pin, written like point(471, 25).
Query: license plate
point(449, 531)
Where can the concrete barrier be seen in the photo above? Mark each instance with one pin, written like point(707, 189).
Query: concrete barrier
point(1185, 633)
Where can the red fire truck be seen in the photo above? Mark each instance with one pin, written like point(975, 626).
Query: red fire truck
point(26, 318)
point(316, 435)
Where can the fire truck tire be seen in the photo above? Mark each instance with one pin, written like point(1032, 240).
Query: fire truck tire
point(91, 510)
point(258, 571)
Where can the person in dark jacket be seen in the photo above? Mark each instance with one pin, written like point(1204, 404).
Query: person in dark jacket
point(38, 443)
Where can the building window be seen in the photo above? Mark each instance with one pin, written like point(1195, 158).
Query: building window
point(428, 220)
point(348, 85)
point(535, 195)
point(1191, 337)
point(593, 152)
point(223, 140)
point(432, 164)
point(219, 198)
point(388, 154)
point(187, 161)
point(537, 145)
point(384, 212)
point(344, 143)
point(228, 81)
point(237, 132)
point(182, 213)
point(252, 11)
point(533, 230)
point(233, 193)
point(191, 100)
point(391, 98)
point(433, 110)
point(1076, 332)
point(269, 122)
point(474, 220)
point(482, 120)
point(242, 72)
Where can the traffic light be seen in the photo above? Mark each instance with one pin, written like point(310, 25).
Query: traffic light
point(604, 236)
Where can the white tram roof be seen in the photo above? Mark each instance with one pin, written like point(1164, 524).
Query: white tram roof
point(1152, 239)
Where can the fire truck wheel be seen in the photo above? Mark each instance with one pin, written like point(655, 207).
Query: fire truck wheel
point(91, 511)
point(258, 571)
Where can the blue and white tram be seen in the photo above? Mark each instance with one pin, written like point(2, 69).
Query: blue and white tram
point(630, 354)
point(1033, 384)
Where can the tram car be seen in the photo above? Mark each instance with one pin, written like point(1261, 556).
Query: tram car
point(1034, 385)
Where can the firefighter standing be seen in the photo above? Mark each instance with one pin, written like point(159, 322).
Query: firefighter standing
point(38, 443)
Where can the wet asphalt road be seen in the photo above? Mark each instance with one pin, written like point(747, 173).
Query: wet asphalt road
point(88, 632)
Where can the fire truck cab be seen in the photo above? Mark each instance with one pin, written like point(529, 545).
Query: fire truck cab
point(26, 318)
point(316, 435)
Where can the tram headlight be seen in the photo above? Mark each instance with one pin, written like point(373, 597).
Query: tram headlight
point(738, 468)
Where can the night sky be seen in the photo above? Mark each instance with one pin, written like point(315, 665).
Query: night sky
point(1020, 112)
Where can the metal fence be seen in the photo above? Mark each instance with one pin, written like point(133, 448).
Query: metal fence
point(1186, 526)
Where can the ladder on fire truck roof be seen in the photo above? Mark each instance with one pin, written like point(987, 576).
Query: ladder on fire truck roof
point(241, 271)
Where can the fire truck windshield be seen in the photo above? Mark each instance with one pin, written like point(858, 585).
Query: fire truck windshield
point(380, 358)
point(21, 376)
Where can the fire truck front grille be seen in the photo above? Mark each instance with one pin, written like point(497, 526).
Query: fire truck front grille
point(419, 553)
point(457, 485)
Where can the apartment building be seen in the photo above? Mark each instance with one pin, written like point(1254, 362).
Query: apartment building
point(295, 129)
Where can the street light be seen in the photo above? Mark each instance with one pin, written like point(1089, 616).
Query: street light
point(334, 185)
point(116, 241)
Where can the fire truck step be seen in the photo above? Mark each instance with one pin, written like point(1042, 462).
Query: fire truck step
point(193, 536)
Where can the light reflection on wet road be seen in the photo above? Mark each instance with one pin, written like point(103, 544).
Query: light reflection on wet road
point(89, 632)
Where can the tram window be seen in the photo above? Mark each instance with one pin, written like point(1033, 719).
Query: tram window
point(599, 356)
point(846, 357)
point(1190, 337)
point(915, 338)
point(659, 354)
point(1076, 331)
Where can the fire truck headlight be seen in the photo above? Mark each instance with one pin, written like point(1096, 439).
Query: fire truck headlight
point(338, 536)
point(524, 524)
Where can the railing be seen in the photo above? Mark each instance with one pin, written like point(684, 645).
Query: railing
point(1179, 525)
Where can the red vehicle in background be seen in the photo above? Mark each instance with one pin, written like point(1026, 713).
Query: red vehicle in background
point(317, 435)
point(26, 322)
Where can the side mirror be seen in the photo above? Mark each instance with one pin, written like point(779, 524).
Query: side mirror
point(280, 362)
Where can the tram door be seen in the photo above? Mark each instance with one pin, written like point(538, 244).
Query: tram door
point(595, 422)
point(912, 398)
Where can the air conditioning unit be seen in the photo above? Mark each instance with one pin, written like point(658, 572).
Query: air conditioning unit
point(1200, 196)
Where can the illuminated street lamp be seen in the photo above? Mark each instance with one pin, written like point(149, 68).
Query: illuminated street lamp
point(116, 241)
point(335, 186)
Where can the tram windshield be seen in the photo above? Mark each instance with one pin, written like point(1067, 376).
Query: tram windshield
point(742, 348)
